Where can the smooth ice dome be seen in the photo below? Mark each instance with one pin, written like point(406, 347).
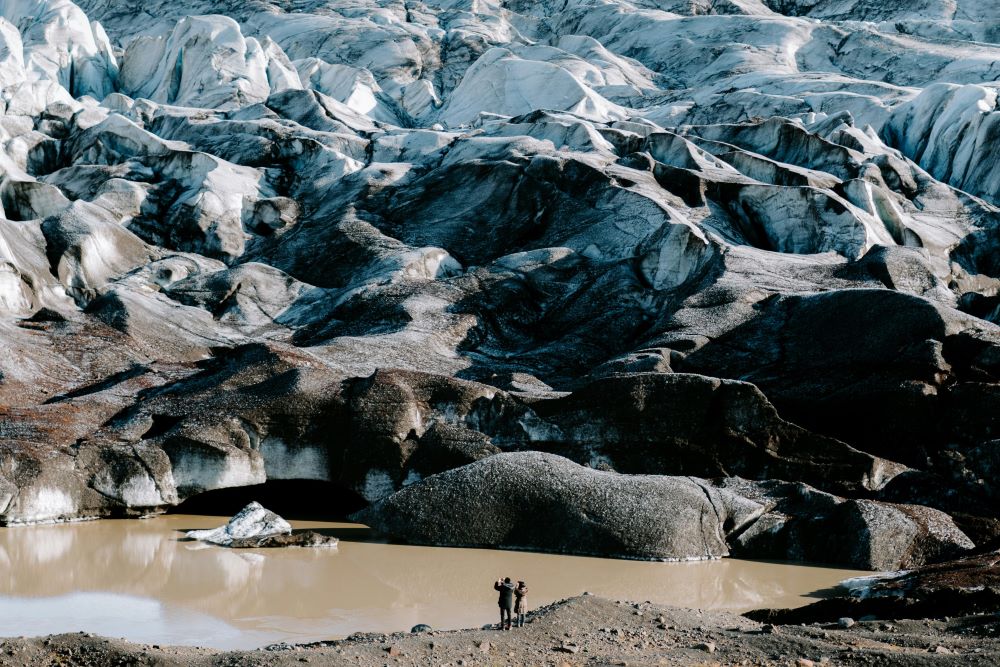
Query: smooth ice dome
point(500, 82)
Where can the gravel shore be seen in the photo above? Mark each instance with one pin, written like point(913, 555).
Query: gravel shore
point(585, 630)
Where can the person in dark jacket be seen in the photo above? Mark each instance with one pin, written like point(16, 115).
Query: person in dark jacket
point(520, 604)
point(506, 601)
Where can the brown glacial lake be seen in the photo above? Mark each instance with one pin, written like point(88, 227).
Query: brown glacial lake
point(140, 580)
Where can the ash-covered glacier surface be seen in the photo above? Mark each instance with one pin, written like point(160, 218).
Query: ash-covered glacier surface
point(366, 242)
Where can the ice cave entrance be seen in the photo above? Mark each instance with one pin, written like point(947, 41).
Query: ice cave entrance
point(302, 499)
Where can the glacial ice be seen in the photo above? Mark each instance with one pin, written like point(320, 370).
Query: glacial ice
point(256, 206)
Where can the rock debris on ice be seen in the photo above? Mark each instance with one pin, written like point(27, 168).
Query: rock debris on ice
point(365, 243)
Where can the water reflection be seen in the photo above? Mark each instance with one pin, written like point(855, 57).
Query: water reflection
point(141, 580)
point(148, 620)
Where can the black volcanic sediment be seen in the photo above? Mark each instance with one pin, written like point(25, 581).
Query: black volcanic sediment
point(586, 255)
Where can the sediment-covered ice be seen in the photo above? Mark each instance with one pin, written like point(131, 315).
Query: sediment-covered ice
point(384, 240)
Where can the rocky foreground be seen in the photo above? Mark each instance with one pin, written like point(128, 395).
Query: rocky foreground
point(686, 279)
point(581, 631)
point(956, 588)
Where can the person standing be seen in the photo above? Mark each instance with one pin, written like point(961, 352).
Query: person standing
point(506, 601)
point(520, 603)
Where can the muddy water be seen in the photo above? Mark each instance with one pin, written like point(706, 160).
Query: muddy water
point(141, 580)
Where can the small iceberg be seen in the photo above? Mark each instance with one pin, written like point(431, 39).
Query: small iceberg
point(255, 526)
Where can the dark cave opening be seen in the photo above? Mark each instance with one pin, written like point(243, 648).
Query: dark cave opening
point(295, 499)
